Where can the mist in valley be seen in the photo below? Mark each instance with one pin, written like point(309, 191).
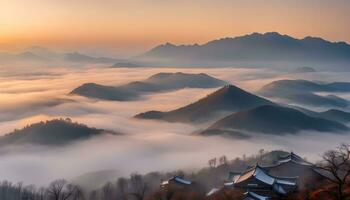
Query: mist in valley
point(146, 145)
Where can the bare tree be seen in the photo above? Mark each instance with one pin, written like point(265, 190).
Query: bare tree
point(107, 191)
point(138, 187)
point(261, 154)
point(93, 195)
point(122, 186)
point(60, 190)
point(41, 193)
point(223, 160)
point(212, 163)
point(337, 164)
point(78, 193)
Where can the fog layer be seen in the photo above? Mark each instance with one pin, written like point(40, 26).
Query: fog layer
point(146, 145)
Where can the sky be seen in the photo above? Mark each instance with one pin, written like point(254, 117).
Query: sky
point(137, 25)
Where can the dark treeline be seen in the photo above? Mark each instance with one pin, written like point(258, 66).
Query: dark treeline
point(147, 187)
point(135, 187)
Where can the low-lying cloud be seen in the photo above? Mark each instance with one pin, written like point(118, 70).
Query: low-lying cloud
point(146, 145)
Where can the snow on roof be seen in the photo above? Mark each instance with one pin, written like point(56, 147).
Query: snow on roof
point(183, 181)
point(178, 180)
point(294, 158)
point(279, 189)
point(254, 196)
point(285, 182)
point(165, 183)
point(228, 184)
point(213, 191)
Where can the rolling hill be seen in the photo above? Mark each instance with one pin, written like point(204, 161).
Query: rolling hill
point(51, 133)
point(305, 86)
point(303, 92)
point(160, 82)
point(332, 114)
point(275, 120)
point(227, 99)
point(93, 90)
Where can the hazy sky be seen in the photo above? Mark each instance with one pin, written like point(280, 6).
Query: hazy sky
point(140, 24)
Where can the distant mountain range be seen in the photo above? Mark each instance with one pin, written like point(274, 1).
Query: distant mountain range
point(51, 133)
point(125, 64)
point(272, 120)
point(256, 49)
point(41, 54)
point(305, 85)
point(304, 70)
point(303, 92)
point(226, 100)
point(157, 83)
point(332, 114)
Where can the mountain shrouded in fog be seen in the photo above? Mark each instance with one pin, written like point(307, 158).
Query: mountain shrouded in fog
point(160, 82)
point(272, 120)
point(227, 99)
point(304, 92)
point(43, 55)
point(53, 132)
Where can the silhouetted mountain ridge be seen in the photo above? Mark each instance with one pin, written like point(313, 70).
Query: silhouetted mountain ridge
point(304, 92)
point(272, 119)
point(255, 48)
point(227, 99)
point(93, 90)
point(156, 83)
point(53, 132)
point(42, 54)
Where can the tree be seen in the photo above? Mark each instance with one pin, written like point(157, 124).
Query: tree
point(41, 193)
point(261, 154)
point(212, 163)
point(337, 164)
point(138, 187)
point(60, 190)
point(107, 191)
point(223, 160)
point(122, 185)
point(78, 193)
point(93, 195)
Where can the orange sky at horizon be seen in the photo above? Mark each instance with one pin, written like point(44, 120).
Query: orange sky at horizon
point(141, 24)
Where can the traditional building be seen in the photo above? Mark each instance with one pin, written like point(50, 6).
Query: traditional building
point(293, 165)
point(259, 181)
point(289, 173)
point(176, 182)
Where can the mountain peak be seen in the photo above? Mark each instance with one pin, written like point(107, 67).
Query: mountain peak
point(168, 44)
point(274, 34)
point(229, 90)
point(225, 100)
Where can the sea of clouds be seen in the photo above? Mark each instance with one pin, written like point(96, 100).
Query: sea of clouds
point(30, 95)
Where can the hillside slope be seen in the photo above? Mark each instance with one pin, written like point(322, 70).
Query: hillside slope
point(227, 99)
point(273, 120)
